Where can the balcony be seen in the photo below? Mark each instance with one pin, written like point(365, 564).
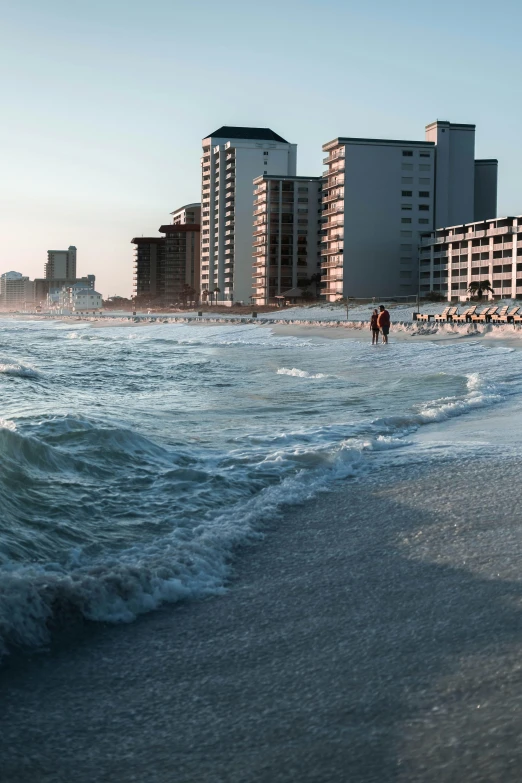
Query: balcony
point(333, 183)
point(335, 155)
point(332, 211)
point(337, 196)
point(334, 171)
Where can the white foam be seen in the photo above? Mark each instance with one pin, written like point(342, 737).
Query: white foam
point(300, 373)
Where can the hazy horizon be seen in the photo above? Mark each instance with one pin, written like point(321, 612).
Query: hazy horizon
point(106, 104)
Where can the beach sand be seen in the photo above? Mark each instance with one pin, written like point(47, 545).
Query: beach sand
point(373, 635)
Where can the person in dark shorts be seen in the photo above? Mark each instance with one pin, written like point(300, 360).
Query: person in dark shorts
point(383, 322)
point(374, 327)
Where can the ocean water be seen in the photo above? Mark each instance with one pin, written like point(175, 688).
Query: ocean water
point(135, 461)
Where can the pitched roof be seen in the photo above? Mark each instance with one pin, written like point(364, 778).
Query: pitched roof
point(261, 134)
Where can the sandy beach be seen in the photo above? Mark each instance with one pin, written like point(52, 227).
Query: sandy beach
point(372, 636)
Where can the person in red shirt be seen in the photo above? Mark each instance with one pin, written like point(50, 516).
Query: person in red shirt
point(383, 322)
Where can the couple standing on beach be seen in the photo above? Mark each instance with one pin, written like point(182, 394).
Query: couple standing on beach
point(380, 322)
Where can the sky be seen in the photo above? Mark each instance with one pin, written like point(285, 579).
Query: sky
point(104, 103)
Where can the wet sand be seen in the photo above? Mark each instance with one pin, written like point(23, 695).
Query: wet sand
point(374, 635)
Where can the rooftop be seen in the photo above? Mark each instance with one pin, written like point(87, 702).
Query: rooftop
point(259, 134)
point(391, 142)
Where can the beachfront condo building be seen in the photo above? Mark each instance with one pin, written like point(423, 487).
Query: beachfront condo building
point(166, 269)
point(453, 258)
point(16, 291)
point(61, 264)
point(380, 194)
point(287, 236)
point(232, 158)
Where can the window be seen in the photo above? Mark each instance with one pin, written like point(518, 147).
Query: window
point(265, 153)
point(407, 154)
point(407, 166)
point(302, 190)
point(407, 180)
point(407, 234)
point(406, 207)
point(424, 167)
point(407, 193)
point(424, 193)
point(424, 221)
point(424, 207)
point(406, 260)
point(405, 273)
point(424, 154)
point(302, 200)
point(405, 220)
point(406, 247)
point(424, 180)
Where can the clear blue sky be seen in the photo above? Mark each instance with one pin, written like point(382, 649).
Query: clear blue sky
point(104, 103)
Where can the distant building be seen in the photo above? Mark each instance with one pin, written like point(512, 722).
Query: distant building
point(287, 235)
point(232, 158)
point(451, 259)
point(16, 291)
point(380, 194)
point(149, 268)
point(76, 299)
point(43, 286)
point(166, 269)
point(61, 264)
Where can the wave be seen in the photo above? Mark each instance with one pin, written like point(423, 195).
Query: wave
point(300, 373)
point(18, 370)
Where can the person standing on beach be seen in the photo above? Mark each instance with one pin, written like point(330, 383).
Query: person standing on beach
point(374, 327)
point(383, 322)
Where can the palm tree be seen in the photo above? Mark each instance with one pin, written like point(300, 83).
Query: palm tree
point(204, 294)
point(217, 291)
point(479, 288)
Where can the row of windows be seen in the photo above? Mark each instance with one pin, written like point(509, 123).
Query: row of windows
point(422, 221)
point(422, 193)
point(422, 167)
point(421, 207)
point(409, 154)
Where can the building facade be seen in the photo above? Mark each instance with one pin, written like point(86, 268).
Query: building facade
point(287, 235)
point(149, 268)
point(61, 264)
point(451, 259)
point(166, 269)
point(76, 299)
point(43, 286)
point(379, 195)
point(16, 291)
point(232, 158)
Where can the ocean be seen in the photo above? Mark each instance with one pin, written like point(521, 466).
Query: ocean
point(135, 461)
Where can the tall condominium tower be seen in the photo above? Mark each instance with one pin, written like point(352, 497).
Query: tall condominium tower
point(287, 235)
point(61, 264)
point(379, 195)
point(232, 159)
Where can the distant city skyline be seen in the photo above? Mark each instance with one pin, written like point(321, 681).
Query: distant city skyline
point(103, 137)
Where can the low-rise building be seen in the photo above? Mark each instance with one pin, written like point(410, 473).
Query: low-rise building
point(287, 235)
point(76, 299)
point(451, 259)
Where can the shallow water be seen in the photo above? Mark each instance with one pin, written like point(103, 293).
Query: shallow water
point(134, 461)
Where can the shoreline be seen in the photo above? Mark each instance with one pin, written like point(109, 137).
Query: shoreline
point(374, 634)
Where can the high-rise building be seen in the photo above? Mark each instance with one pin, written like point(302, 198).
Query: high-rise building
point(287, 235)
point(61, 264)
point(16, 291)
point(379, 195)
point(166, 269)
point(182, 253)
point(232, 158)
point(149, 268)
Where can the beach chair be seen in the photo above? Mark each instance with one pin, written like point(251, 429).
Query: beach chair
point(498, 317)
point(447, 314)
point(465, 316)
point(486, 315)
point(508, 318)
point(516, 318)
point(444, 315)
point(423, 316)
point(475, 317)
